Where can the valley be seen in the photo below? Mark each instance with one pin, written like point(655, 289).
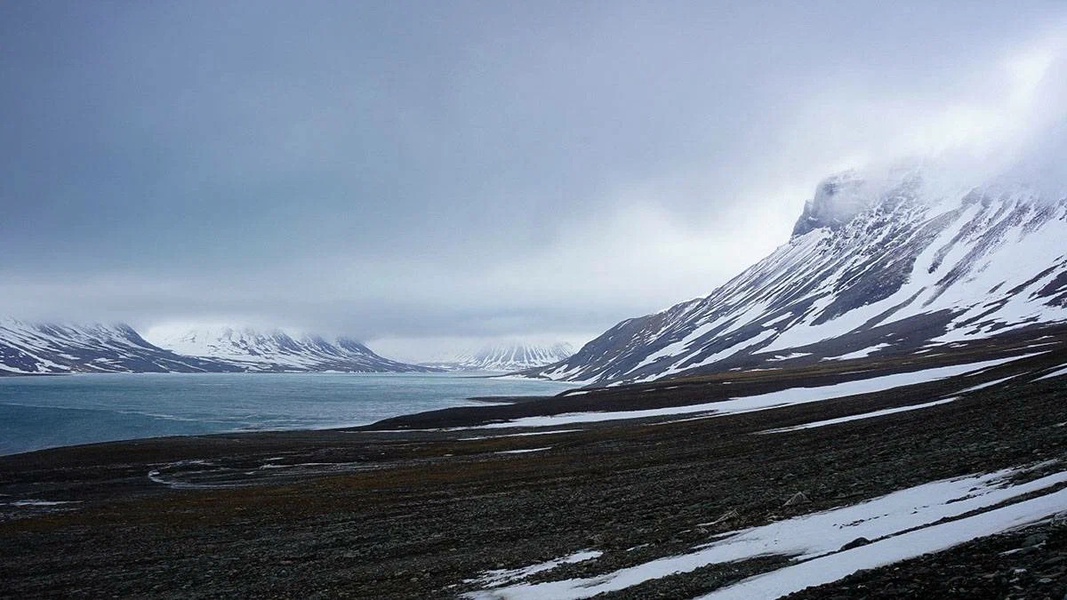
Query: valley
point(533, 300)
point(461, 503)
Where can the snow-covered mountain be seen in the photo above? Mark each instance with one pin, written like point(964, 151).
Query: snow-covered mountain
point(873, 268)
point(512, 356)
point(42, 348)
point(278, 351)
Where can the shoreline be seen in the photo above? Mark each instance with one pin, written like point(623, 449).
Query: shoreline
point(424, 505)
point(40, 413)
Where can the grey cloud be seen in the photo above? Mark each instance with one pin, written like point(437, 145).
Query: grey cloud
point(468, 168)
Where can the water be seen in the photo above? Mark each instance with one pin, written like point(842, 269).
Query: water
point(44, 412)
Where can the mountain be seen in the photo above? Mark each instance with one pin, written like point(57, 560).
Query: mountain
point(253, 350)
point(874, 268)
point(41, 348)
point(513, 356)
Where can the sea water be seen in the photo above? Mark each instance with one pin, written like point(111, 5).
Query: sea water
point(45, 412)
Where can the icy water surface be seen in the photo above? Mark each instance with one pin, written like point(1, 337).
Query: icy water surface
point(44, 412)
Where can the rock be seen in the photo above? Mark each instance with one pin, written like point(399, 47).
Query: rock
point(730, 514)
point(856, 543)
point(1034, 540)
point(798, 498)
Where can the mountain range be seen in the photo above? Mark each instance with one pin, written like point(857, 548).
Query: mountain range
point(874, 267)
point(28, 348)
point(506, 357)
point(254, 350)
point(44, 348)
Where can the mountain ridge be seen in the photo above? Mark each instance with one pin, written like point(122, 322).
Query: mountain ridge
point(505, 356)
point(28, 348)
point(277, 350)
point(42, 348)
point(910, 270)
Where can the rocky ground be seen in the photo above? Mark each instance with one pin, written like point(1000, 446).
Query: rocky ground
point(1029, 563)
point(409, 510)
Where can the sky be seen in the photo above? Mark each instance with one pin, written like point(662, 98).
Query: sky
point(417, 174)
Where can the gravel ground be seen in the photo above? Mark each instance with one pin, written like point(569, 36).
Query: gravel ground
point(422, 514)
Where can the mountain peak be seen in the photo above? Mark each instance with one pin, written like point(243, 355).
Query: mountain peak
point(28, 348)
point(842, 197)
point(507, 356)
point(276, 350)
point(837, 200)
point(903, 262)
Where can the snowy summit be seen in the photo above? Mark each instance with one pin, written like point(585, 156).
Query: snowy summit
point(276, 350)
point(873, 267)
point(505, 357)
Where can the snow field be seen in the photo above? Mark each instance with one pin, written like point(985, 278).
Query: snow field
point(869, 415)
point(789, 397)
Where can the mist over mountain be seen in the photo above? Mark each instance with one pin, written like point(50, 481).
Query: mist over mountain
point(39, 348)
point(905, 264)
point(276, 350)
point(504, 356)
point(28, 348)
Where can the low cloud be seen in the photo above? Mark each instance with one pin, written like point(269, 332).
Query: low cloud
point(519, 178)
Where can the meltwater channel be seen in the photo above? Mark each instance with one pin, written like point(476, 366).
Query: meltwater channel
point(46, 412)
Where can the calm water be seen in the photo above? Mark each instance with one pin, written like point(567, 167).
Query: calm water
point(43, 412)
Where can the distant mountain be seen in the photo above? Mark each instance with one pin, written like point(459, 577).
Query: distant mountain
point(508, 357)
point(42, 348)
point(253, 350)
point(874, 268)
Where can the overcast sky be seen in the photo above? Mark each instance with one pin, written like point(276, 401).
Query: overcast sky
point(411, 171)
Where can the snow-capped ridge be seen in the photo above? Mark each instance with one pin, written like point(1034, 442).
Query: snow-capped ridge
point(918, 263)
point(840, 198)
point(29, 348)
point(837, 200)
point(506, 356)
point(276, 350)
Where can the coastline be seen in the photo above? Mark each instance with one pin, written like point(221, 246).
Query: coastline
point(423, 506)
point(49, 412)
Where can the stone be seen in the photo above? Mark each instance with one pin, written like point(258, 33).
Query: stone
point(856, 543)
point(1034, 540)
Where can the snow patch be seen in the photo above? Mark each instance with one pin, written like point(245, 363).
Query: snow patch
point(869, 415)
point(864, 353)
point(524, 450)
point(1056, 373)
point(498, 577)
point(902, 524)
point(788, 397)
point(790, 356)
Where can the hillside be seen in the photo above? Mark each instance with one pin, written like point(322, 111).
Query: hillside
point(28, 348)
point(505, 357)
point(935, 477)
point(254, 350)
point(874, 268)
